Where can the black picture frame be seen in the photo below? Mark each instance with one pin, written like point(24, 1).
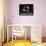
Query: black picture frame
point(25, 9)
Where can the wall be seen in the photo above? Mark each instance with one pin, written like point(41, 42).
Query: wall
point(39, 16)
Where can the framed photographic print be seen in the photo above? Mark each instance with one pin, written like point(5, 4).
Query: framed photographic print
point(25, 9)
